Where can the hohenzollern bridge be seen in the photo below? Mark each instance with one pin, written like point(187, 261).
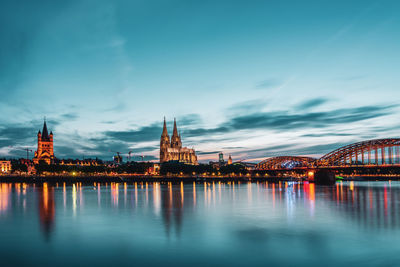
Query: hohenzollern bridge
point(370, 154)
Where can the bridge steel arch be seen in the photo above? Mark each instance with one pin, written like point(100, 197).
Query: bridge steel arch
point(277, 163)
point(371, 152)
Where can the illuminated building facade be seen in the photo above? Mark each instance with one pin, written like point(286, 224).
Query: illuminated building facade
point(45, 151)
point(77, 162)
point(5, 166)
point(229, 160)
point(172, 150)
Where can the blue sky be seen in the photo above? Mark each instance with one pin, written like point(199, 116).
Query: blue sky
point(249, 78)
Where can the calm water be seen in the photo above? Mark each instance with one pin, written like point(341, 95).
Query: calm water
point(201, 224)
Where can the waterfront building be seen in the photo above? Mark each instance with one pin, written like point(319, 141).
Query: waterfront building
point(5, 166)
point(172, 150)
point(45, 151)
point(248, 165)
point(78, 162)
point(154, 169)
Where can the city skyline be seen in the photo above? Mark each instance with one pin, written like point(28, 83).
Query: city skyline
point(256, 80)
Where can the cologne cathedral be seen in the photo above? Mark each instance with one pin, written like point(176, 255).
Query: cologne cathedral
point(44, 150)
point(172, 150)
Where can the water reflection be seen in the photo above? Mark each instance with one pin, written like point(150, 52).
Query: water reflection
point(5, 193)
point(172, 208)
point(46, 209)
point(370, 205)
point(375, 207)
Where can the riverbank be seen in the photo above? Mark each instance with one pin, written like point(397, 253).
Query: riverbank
point(144, 178)
point(174, 179)
point(371, 178)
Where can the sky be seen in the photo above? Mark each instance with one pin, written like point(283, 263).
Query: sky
point(252, 79)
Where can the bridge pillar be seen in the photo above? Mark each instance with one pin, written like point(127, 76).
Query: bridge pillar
point(362, 156)
point(324, 177)
point(369, 155)
point(398, 154)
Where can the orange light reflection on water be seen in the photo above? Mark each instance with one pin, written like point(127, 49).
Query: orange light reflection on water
point(5, 192)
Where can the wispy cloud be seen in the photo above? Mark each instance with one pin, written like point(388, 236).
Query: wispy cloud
point(311, 103)
point(284, 120)
point(268, 83)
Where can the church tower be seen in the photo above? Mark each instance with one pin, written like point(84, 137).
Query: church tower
point(45, 149)
point(229, 160)
point(176, 139)
point(164, 143)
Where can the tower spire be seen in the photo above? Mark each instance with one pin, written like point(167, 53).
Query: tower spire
point(45, 133)
point(165, 131)
point(175, 132)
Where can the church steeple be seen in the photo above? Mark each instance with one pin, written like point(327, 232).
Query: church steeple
point(175, 132)
point(175, 139)
point(164, 143)
point(45, 133)
point(165, 131)
point(45, 148)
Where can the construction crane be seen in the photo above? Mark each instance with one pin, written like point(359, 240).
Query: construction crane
point(118, 156)
point(27, 152)
point(25, 149)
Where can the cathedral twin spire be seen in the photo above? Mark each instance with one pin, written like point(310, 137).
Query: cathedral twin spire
point(172, 150)
point(164, 131)
point(175, 138)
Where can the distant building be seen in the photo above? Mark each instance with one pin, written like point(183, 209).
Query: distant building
point(78, 162)
point(45, 151)
point(220, 163)
point(221, 158)
point(117, 159)
point(5, 166)
point(172, 150)
point(229, 160)
point(154, 169)
point(30, 167)
point(248, 165)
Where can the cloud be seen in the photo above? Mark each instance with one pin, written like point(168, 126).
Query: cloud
point(145, 149)
point(294, 150)
point(311, 103)
point(188, 120)
point(146, 133)
point(69, 116)
point(108, 142)
point(326, 134)
point(282, 120)
point(203, 131)
point(207, 152)
point(285, 121)
point(268, 83)
point(246, 107)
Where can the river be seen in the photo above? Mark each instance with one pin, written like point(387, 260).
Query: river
point(200, 224)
